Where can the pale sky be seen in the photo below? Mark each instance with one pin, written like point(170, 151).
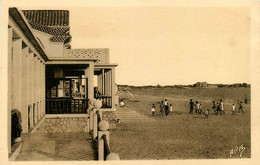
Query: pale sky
point(168, 45)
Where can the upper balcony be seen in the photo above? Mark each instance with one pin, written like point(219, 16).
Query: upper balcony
point(101, 55)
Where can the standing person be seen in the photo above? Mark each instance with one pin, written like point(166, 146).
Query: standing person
point(191, 106)
point(206, 113)
point(171, 108)
point(153, 109)
point(197, 107)
point(222, 107)
point(240, 107)
point(161, 109)
point(200, 109)
point(214, 106)
point(233, 109)
point(218, 109)
point(245, 100)
point(166, 107)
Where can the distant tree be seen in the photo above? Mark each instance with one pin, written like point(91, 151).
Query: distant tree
point(244, 85)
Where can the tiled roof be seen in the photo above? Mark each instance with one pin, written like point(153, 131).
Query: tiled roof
point(56, 31)
point(53, 22)
point(48, 17)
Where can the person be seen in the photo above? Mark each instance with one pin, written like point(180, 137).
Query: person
point(197, 107)
point(206, 113)
point(161, 109)
point(233, 109)
point(122, 104)
point(200, 109)
point(245, 100)
point(191, 106)
point(214, 106)
point(170, 108)
point(153, 109)
point(218, 109)
point(240, 107)
point(166, 107)
point(222, 107)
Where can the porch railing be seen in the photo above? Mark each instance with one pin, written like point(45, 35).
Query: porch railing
point(66, 106)
point(106, 101)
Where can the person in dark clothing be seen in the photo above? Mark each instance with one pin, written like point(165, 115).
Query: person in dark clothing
point(166, 107)
point(240, 107)
point(218, 109)
point(191, 106)
point(214, 107)
point(161, 109)
point(245, 100)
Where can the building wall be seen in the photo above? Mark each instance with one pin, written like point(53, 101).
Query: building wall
point(26, 81)
point(53, 49)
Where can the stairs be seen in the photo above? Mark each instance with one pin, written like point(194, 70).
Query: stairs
point(130, 116)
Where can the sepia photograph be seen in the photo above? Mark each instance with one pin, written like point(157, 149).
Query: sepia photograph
point(122, 81)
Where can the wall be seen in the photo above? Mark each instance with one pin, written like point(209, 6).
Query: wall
point(53, 49)
point(26, 72)
point(64, 124)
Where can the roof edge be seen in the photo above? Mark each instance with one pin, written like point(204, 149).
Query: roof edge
point(21, 22)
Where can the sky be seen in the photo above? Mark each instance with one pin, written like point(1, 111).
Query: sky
point(168, 45)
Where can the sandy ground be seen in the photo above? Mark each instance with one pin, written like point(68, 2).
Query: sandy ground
point(180, 135)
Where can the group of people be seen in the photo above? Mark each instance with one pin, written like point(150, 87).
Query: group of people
point(218, 108)
point(198, 108)
point(165, 108)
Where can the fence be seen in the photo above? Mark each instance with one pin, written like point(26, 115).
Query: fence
point(106, 101)
point(66, 106)
point(101, 134)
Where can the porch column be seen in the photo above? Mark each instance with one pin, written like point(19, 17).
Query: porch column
point(25, 52)
point(33, 90)
point(16, 84)
point(89, 73)
point(44, 88)
point(113, 87)
point(103, 81)
point(29, 86)
point(9, 105)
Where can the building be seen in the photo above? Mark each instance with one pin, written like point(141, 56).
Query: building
point(46, 76)
point(201, 84)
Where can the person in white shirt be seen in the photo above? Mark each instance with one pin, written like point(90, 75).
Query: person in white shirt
point(170, 108)
point(153, 109)
point(222, 107)
point(233, 109)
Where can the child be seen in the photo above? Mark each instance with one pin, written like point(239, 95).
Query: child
point(222, 107)
point(233, 110)
point(206, 114)
point(153, 109)
point(197, 107)
point(214, 106)
point(170, 108)
point(161, 109)
point(200, 109)
point(240, 107)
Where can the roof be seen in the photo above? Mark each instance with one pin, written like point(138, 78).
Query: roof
point(53, 22)
point(48, 17)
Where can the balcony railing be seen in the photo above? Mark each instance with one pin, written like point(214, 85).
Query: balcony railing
point(66, 106)
point(106, 101)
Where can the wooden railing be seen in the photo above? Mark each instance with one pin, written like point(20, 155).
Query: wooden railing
point(66, 106)
point(106, 101)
